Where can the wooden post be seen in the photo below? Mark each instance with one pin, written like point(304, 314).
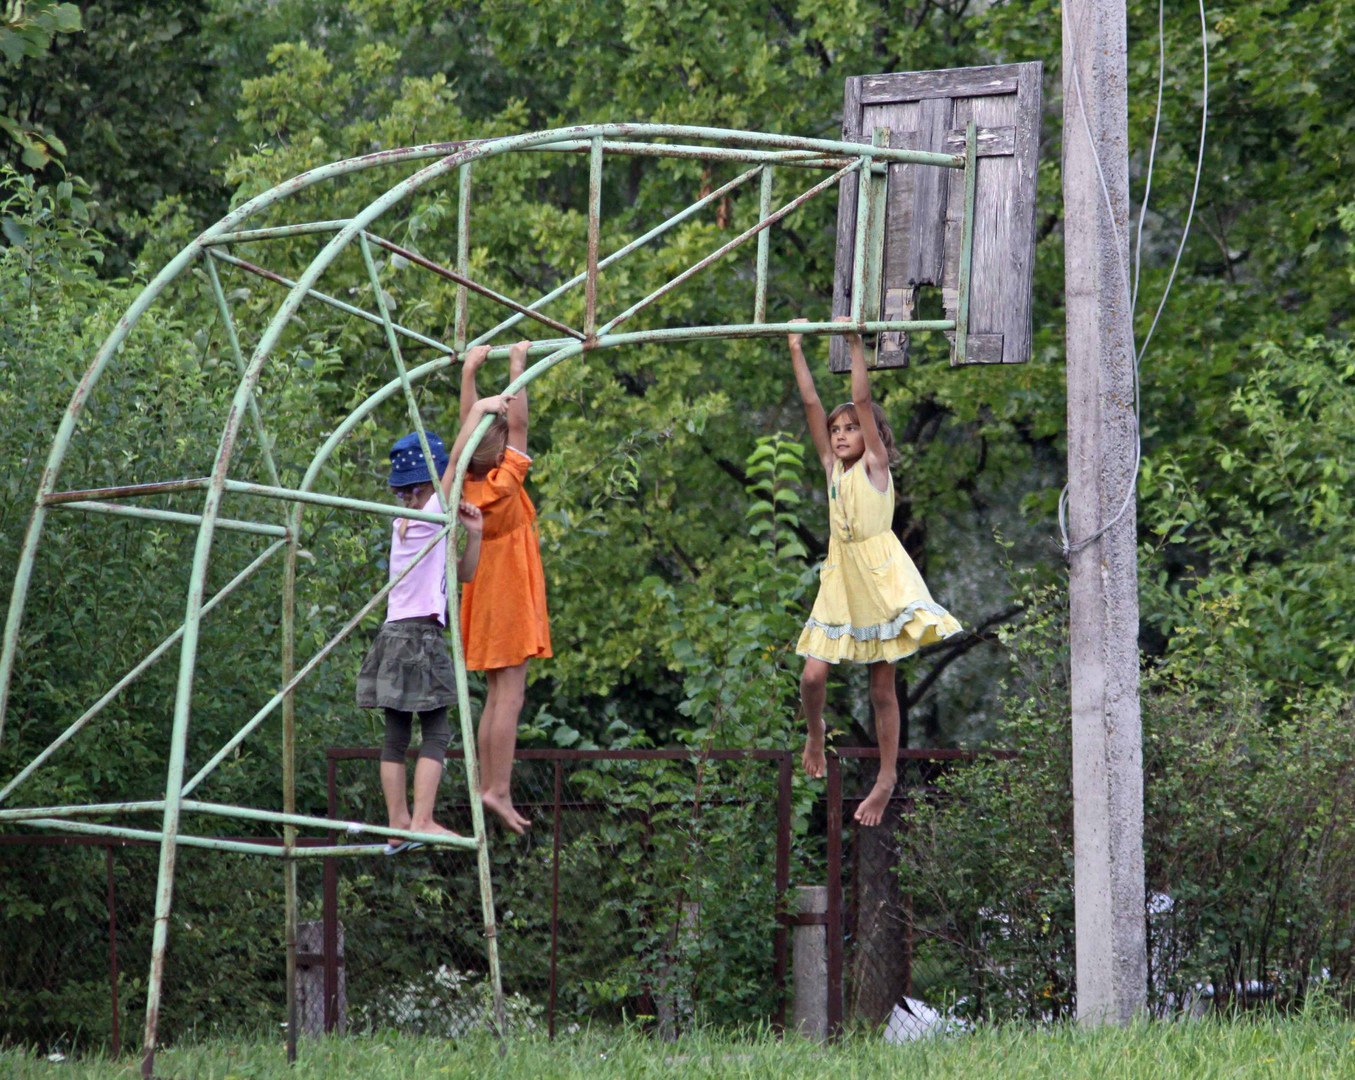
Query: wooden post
point(1103, 574)
point(310, 981)
point(809, 964)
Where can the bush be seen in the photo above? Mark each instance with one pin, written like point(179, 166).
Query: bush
point(1249, 846)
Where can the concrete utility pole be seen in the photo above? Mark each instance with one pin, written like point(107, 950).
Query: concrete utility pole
point(1103, 576)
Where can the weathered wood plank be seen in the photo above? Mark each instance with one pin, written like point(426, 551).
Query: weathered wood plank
point(950, 82)
point(891, 350)
point(993, 141)
point(1016, 320)
point(981, 349)
point(992, 283)
point(929, 193)
point(954, 225)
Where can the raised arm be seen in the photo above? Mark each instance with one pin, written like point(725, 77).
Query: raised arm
point(469, 394)
point(809, 394)
point(517, 412)
point(497, 404)
point(473, 522)
point(876, 456)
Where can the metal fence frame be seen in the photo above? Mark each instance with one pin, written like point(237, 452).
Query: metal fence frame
point(839, 831)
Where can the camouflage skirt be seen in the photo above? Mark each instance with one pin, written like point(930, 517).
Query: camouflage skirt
point(407, 668)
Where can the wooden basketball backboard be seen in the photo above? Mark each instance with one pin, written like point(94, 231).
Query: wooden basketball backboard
point(930, 110)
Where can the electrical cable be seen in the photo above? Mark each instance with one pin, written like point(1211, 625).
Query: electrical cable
point(1069, 547)
point(1152, 155)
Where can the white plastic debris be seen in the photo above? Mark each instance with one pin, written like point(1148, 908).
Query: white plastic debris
point(912, 1019)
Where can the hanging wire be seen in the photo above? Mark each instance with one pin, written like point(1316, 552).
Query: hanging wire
point(1069, 547)
point(1152, 155)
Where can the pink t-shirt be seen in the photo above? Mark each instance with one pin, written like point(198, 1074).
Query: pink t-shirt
point(424, 589)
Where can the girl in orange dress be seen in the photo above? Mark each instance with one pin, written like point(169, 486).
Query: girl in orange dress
point(503, 611)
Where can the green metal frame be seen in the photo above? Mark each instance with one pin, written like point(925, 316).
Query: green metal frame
point(763, 152)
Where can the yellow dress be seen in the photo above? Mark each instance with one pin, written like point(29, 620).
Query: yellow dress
point(872, 604)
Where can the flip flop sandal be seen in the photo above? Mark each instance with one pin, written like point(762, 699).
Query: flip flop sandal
point(401, 847)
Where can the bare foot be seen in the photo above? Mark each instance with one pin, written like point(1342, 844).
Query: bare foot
point(434, 828)
point(506, 811)
point(812, 759)
point(872, 809)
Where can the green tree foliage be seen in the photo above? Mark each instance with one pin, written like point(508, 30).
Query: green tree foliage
point(1249, 843)
point(27, 32)
point(678, 527)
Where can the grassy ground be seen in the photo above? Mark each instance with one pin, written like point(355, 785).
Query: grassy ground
point(1308, 1047)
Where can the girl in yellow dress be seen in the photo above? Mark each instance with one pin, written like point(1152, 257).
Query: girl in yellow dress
point(873, 607)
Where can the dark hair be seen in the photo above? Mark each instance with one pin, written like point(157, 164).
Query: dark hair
point(490, 451)
point(881, 422)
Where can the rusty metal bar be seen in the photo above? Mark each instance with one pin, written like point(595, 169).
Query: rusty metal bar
point(149, 514)
point(155, 654)
point(763, 244)
point(590, 288)
point(752, 330)
point(473, 286)
point(803, 158)
point(330, 905)
point(241, 487)
point(334, 302)
point(462, 254)
point(834, 932)
point(278, 232)
point(747, 234)
point(164, 487)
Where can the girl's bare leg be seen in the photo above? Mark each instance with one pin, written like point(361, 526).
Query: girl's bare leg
point(498, 739)
point(886, 705)
point(427, 776)
point(393, 787)
point(813, 693)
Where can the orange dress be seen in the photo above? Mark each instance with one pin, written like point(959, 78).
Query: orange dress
point(503, 610)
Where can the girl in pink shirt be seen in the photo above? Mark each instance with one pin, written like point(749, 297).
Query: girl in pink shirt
point(408, 670)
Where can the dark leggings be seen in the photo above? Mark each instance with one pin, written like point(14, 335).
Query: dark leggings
point(436, 734)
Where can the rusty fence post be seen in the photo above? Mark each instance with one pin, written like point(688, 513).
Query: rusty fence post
point(782, 884)
point(113, 950)
point(834, 931)
point(330, 905)
point(555, 892)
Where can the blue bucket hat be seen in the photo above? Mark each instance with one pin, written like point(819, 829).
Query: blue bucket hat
point(407, 461)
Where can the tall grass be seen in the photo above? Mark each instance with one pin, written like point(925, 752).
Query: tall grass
point(1314, 1046)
